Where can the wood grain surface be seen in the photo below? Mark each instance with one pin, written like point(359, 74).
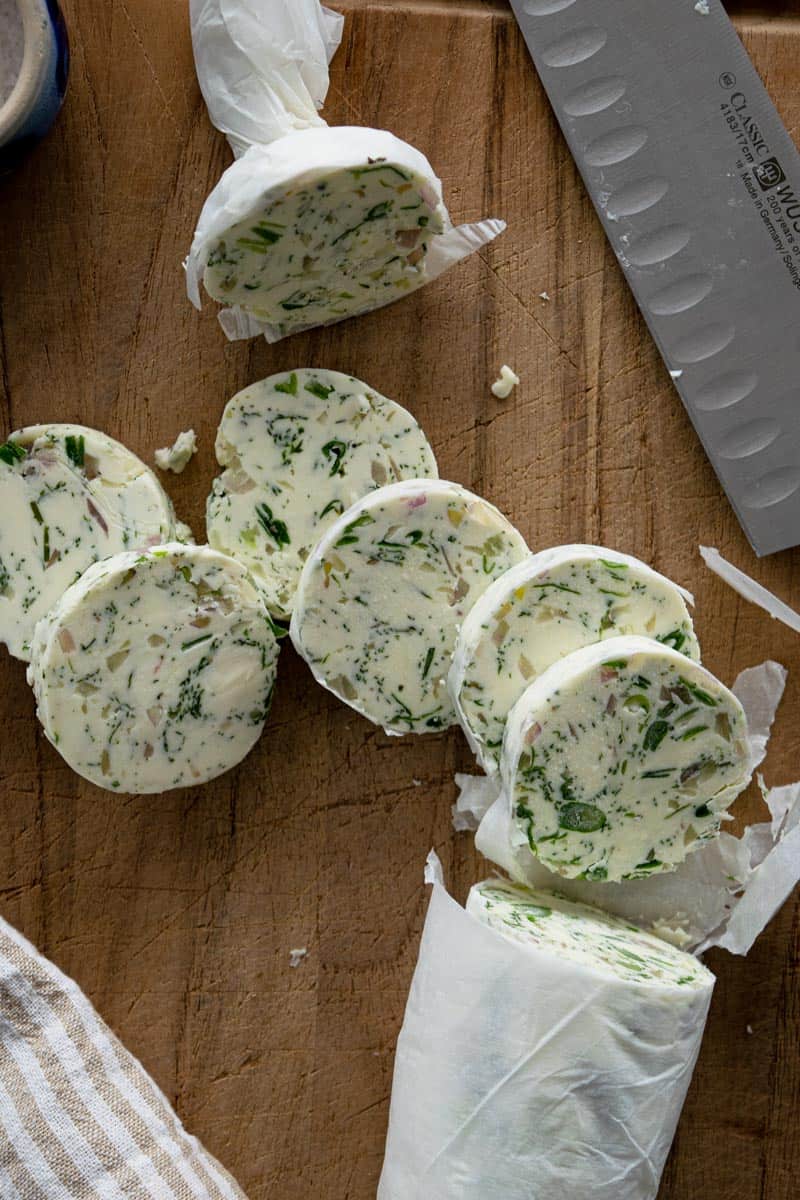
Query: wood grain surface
point(177, 913)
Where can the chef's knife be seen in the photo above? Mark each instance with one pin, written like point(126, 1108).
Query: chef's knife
point(697, 184)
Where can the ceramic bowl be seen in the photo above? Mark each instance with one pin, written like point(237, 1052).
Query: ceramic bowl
point(38, 94)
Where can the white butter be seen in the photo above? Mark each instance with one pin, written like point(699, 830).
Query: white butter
point(299, 448)
point(320, 225)
point(551, 604)
point(68, 496)
point(546, 1052)
point(504, 386)
point(155, 670)
point(621, 759)
point(382, 595)
point(176, 457)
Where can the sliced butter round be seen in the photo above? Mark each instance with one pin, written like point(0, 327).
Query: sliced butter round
point(299, 448)
point(383, 593)
point(549, 605)
point(320, 225)
point(621, 759)
point(155, 670)
point(68, 496)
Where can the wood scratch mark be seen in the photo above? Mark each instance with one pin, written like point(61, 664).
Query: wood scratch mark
point(543, 328)
point(138, 39)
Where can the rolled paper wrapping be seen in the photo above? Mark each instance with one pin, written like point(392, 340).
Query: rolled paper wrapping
point(263, 65)
point(299, 448)
point(382, 595)
point(622, 759)
point(80, 1119)
point(155, 670)
point(68, 497)
point(554, 602)
point(321, 225)
point(312, 224)
point(546, 1057)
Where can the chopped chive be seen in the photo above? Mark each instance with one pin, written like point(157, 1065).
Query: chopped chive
point(195, 641)
point(335, 451)
point(289, 386)
point(273, 526)
point(10, 453)
point(319, 389)
point(76, 448)
point(655, 734)
point(581, 818)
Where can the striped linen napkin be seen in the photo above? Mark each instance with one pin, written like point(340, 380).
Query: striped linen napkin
point(80, 1119)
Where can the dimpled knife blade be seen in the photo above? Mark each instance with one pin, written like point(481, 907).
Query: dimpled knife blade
point(697, 184)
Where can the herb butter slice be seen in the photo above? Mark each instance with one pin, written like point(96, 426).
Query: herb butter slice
point(299, 448)
point(547, 921)
point(621, 759)
point(68, 497)
point(382, 595)
point(320, 225)
point(553, 603)
point(330, 243)
point(155, 670)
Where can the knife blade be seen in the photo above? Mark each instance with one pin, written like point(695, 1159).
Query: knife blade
point(697, 184)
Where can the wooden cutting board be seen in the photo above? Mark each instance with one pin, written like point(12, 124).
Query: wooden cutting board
point(177, 913)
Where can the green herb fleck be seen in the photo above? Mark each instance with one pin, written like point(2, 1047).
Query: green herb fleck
point(289, 386)
point(676, 639)
point(273, 526)
point(76, 448)
point(335, 451)
point(348, 537)
point(692, 733)
point(195, 641)
point(655, 735)
point(332, 506)
point(267, 233)
point(699, 694)
point(581, 818)
point(319, 389)
point(10, 453)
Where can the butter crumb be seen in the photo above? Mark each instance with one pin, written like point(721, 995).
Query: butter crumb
point(175, 457)
point(504, 386)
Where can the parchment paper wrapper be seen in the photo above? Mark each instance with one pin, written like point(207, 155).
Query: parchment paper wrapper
point(521, 1075)
point(722, 895)
point(262, 65)
point(263, 70)
point(755, 592)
